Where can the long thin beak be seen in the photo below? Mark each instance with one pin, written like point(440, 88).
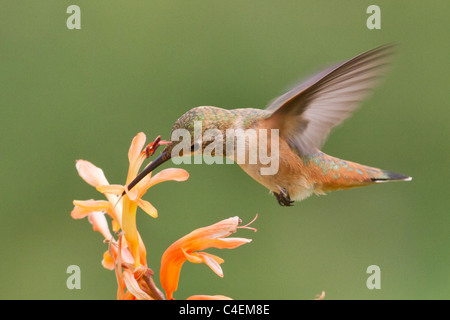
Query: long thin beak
point(163, 157)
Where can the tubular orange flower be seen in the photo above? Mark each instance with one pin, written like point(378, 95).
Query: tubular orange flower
point(130, 249)
point(206, 297)
point(132, 199)
point(320, 296)
point(188, 247)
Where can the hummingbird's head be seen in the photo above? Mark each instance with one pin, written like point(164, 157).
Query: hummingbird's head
point(190, 135)
point(195, 129)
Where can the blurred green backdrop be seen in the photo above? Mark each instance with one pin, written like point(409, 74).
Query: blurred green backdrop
point(138, 65)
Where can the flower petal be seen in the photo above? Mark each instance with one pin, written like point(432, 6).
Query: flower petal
point(132, 194)
point(193, 258)
point(129, 225)
point(84, 208)
point(207, 297)
point(148, 208)
point(230, 243)
point(210, 236)
point(136, 147)
point(99, 223)
point(95, 205)
point(212, 261)
point(133, 239)
point(171, 174)
point(80, 212)
point(135, 156)
point(91, 174)
point(115, 225)
point(133, 286)
point(321, 296)
point(116, 189)
point(108, 261)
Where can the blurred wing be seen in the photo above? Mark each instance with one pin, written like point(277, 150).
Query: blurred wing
point(306, 114)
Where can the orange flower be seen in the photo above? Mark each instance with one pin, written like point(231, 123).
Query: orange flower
point(206, 297)
point(320, 296)
point(132, 199)
point(188, 247)
point(130, 249)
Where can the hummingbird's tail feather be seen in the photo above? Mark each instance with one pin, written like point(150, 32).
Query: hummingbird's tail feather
point(390, 176)
point(339, 174)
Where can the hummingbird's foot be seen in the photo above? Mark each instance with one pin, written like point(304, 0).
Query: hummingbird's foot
point(283, 198)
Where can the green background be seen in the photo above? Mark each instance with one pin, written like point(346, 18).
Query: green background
point(138, 65)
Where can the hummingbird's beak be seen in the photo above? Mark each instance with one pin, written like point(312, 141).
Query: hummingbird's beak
point(163, 157)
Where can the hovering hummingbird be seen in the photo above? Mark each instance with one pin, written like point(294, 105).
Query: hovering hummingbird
point(304, 117)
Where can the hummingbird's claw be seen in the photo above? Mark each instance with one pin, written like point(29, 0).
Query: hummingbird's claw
point(283, 198)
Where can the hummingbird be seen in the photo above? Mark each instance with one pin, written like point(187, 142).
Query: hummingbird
point(304, 117)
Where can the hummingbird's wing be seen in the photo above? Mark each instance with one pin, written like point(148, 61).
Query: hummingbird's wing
point(306, 114)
